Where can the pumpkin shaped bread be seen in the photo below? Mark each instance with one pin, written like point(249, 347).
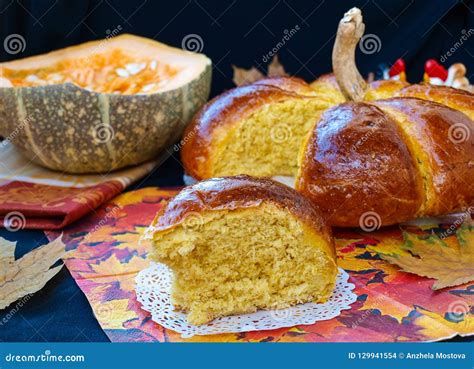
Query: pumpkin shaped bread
point(400, 150)
point(238, 244)
point(395, 157)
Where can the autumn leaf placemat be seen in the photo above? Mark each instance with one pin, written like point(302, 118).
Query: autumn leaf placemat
point(392, 305)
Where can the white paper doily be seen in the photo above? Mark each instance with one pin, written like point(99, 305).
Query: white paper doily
point(153, 286)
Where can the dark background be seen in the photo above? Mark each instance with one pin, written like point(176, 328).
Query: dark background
point(241, 32)
point(234, 32)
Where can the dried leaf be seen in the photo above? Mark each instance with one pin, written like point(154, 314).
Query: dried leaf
point(450, 260)
point(245, 76)
point(276, 69)
point(7, 253)
point(28, 274)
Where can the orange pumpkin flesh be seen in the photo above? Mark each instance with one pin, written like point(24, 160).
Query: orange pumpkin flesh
point(110, 72)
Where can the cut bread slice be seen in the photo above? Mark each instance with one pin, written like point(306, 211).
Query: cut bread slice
point(239, 244)
point(255, 130)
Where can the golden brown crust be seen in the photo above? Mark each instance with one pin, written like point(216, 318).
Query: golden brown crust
point(383, 89)
point(328, 79)
point(238, 192)
point(454, 98)
point(451, 153)
point(326, 85)
point(356, 161)
point(292, 84)
point(220, 113)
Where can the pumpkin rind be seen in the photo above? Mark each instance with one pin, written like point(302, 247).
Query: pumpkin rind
point(59, 126)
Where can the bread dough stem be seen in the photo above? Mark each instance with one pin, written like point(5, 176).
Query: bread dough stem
point(350, 30)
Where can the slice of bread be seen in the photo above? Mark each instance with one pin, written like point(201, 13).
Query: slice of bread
point(256, 129)
point(238, 244)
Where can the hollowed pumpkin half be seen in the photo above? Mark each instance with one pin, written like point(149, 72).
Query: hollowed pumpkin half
point(101, 105)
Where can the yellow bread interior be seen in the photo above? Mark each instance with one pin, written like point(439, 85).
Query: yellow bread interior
point(383, 92)
point(237, 261)
point(267, 142)
point(323, 87)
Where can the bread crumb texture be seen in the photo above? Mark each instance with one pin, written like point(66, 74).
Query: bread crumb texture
point(267, 142)
point(238, 261)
